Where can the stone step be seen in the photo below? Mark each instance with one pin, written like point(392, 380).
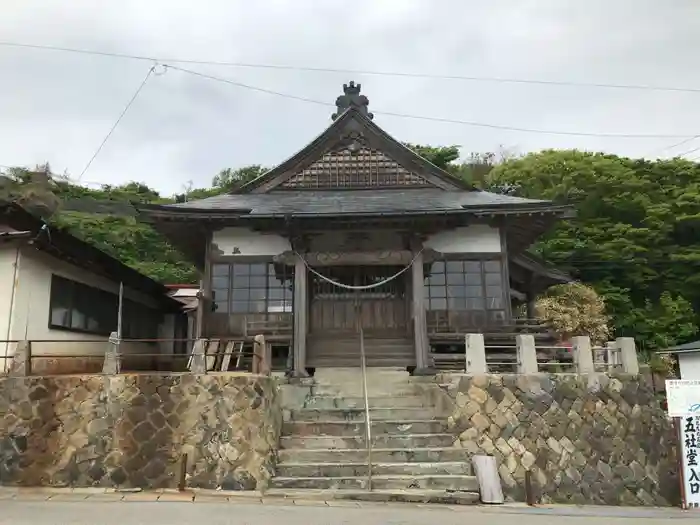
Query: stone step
point(379, 441)
point(350, 428)
point(309, 470)
point(334, 401)
point(358, 414)
point(380, 455)
point(405, 495)
point(447, 482)
point(373, 391)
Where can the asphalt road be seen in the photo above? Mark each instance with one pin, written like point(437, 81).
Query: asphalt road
point(318, 513)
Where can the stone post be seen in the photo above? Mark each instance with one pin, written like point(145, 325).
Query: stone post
point(22, 360)
point(198, 361)
point(261, 359)
point(583, 354)
point(112, 362)
point(475, 354)
point(628, 355)
point(527, 354)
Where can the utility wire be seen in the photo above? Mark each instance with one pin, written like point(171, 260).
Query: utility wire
point(419, 117)
point(353, 71)
point(673, 146)
point(688, 152)
point(151, 70)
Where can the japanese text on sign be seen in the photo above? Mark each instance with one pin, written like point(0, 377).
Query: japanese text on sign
point(690, 446)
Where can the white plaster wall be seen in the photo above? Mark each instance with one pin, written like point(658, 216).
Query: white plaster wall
point(30, 319)
point(689, 365)
point(8, 254)
point(243, 241)
point(477, 238)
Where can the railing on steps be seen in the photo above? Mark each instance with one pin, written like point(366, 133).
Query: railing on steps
point(368, 422)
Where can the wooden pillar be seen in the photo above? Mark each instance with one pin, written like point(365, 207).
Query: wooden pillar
point(204, 304)
point(420, 327)
point(505, 273)
point(301, 308)
point(530, 309)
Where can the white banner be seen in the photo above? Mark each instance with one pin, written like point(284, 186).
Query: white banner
point(690, 447)
point(683, 397)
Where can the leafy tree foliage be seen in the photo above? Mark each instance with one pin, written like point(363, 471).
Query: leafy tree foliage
point(635, 238)
point(229, 179)
point(574, 309)
point(444, 157)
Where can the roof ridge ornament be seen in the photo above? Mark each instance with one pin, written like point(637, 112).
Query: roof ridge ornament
point(352, 98)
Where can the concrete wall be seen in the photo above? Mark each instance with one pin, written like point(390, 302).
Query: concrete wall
point(689, 365)
point(477, 238)
point(132, 430)
point(586, 439)
point(8, 256)
point(31, 312)
point(243, 241)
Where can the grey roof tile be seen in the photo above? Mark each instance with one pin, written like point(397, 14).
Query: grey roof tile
point(355, 201)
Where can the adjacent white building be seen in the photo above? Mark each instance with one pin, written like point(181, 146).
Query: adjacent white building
point(688, 359)
point(62, 295)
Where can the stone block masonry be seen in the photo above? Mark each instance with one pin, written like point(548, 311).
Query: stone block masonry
point(132, 430)
point(587, 439)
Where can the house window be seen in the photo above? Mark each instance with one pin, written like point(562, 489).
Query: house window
point(261, 287)
point(76, 306)
point(82, 308)
point(467, 286)
point(139, 321)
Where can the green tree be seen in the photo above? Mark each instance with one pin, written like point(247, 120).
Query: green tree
point(634, 238)
point(444, 157)
point(34, 190)
point(229, 179)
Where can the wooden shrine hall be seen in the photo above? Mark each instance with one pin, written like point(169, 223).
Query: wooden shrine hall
point(358, 231)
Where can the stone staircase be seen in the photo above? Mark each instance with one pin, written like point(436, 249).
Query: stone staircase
point(323, 445)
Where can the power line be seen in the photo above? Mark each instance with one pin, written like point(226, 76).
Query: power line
point(673, 146)
point(419, 117)
point(151, 70)
point(507, 80)
point(688, 152)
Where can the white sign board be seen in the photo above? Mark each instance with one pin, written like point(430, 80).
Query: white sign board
point(683, 397)
point(690, 448)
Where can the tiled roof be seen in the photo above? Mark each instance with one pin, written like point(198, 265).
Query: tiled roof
point(308, 202)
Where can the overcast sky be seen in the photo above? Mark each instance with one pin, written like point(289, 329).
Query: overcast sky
point(57, 106)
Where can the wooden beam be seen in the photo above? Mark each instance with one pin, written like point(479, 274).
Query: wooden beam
point(505, 272)
point(420, 325)
point(301, 294)
point(204, 303)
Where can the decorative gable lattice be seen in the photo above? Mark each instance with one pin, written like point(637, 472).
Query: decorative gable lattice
point(354, 165)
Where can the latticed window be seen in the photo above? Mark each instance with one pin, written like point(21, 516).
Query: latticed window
point(467, 285)
point(260, 287)
point(360, 167)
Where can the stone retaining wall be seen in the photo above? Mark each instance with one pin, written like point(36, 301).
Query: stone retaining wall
point(586, 439)
point(132, 430)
